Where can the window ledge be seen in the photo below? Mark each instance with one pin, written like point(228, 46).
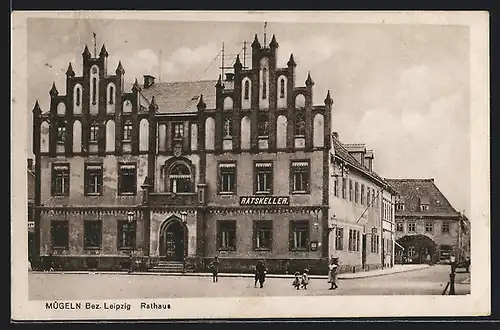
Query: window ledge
point(127, 194)
point(300, 192)
point(263, 193)
point(299, 249)
point(127, 141)
point(90, 248)
point(92, 142)
point(93, 194)
point(226, 249)
point(60, 248)
point(60, 196)
point(227, 193)
point(263, 249)
point(126, 248)
point(61, 142)
point(227, 138)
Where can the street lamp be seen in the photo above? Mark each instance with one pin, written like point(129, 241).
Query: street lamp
point(184, 216)
point(130, 220)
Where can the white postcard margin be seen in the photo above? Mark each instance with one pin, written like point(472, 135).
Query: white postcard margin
point(475, 304)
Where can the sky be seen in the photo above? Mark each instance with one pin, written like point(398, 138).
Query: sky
point(402, 89)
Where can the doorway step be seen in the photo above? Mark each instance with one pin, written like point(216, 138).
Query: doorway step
point(168, 267)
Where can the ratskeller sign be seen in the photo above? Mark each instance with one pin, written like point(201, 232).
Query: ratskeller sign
point(265, 201)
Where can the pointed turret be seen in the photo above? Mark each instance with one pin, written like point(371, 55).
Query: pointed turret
point(70, 72)
point(86, 52)
point(328, 99)
point(256, 43)
point(201, 104)
point(219, 82)
point(36, 109)
point(53, 91)
point(119, 68)
point(274, 43)
point(136, 88)
point(152, 104)
point(291, 61)
point(103, 52)
point(309, 81)
point(237, 64)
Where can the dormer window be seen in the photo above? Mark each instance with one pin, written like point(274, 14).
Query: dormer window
point(424, 207)
point(400, 207)
point(424, 203)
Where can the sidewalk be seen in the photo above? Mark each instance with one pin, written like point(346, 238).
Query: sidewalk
point(346, 276)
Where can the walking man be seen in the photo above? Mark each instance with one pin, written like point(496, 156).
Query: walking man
point(332, 273)
point(214, 266)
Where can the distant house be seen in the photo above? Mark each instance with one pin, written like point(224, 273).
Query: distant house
point(426, 223)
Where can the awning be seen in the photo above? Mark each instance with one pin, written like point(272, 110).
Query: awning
point(180, 176)
point(300, 164)
point(399, 245)
point(60, 167)
point(263, 165)
point(127, 167)
point(227, 165)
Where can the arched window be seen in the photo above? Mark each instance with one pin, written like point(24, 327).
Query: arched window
point(78, 97)
point(247, 90)
point(61, 132)
point(263, 125)
point(179, 178)
point(94, 90)
point(264, 83)
point(282, 88)
point(127, 131)
point(300, 123)
point(227, 128)
point(94, 131)
point(111, 95)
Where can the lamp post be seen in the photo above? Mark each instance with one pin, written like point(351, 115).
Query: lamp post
point(130, 220)
point(452, 275)
point(184, 220)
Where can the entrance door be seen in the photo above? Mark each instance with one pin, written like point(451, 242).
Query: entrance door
point(363, 252)
point(174, 241)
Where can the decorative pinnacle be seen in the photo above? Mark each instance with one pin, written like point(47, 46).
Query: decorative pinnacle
point(328, 99)
point(219, 82)
point(36, 109)
point(119, 68)
point(309, 81)
point(136, 86)
point(274, 43)
point(86, 52)
point(256, 43)
point(291, 61)
point(104, 52)
point(201, 104)
point(70, 72)
point(53, 91)
point(237, 64)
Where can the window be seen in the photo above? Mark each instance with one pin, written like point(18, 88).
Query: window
point(429, 226)
point(78, 96)
point(263, 234)
point(263, 178)
point(351, 191)
point(339, 239)
point(300, 176)
point(336, 187)
point(180, 178)
point(300, 123)
point(94, 132)
point(30, 212)
point(411, 226)
point(247, 90)
point(263, 124)
point(178, 130)
point(227, 178)
point(399, 226)
point(282, 88)
point(446, 227)
point(92, 237)
point(226, 234)
point(61, 132)
point(127, 131)
point(357, 240)
point(411, 251)
point(264, 83)
point(93, 179)
point(356, 192)
point(424, 207)
point(94, 90)
point(400, 207)
point(353, 240)
point(300, 235)
point(126, 234)
point(60, 180)
point(362, 194)
point(59, 234)
point(375, 244)
point(127, 179)
point(111, 95)
point(344, 187)
point(227, 128)
point(368, 196)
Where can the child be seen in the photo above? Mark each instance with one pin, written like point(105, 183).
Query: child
point(297, 280)
point(305, 278)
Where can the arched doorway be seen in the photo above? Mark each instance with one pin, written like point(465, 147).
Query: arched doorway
point(173, 240)
point(416, 248)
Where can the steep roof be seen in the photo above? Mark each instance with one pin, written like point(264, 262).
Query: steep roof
point(414, 191)
point(181, 97)
point(342, 153)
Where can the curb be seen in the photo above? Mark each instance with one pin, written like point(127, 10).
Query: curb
point(317, 277)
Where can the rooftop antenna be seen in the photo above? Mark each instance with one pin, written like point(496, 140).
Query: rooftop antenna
point(159, 74)
point(222, 64)
point(265, 27)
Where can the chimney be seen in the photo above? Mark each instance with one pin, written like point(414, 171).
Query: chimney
point(148, 81)
point(229, 76)
point(30, 164)
point(335, 135)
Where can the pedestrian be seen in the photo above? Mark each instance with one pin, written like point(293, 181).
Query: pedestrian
point(214, 266)
point(428, 259)
point(332, 273)
point(256, 279)
point(305, 279)
point(297, 280)
point(261, 271)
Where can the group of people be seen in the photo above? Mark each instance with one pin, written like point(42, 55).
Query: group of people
point(300, 280)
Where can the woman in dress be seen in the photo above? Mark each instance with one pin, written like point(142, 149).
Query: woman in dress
point(332, 273)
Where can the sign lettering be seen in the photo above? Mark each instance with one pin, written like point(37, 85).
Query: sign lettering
point(264, 201)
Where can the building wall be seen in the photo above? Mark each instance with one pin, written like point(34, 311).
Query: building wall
point(437, 236)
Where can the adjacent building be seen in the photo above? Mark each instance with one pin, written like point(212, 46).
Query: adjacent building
point(178, 173)
point(362, 210)
point(427, 224)
point(31, 200)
